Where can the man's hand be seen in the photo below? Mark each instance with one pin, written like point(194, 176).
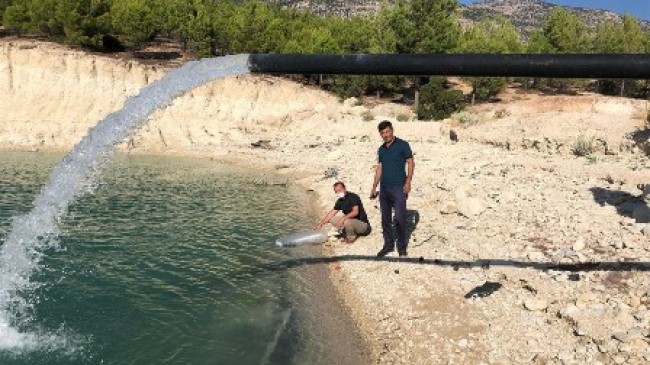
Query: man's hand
point(318, 226)
point(407, 187)
point(341, 222)
point(373, 193)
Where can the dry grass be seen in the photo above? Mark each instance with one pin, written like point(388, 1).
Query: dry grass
point(402, 117)
point(367, 115)
point(501, 113)
point(584, 146)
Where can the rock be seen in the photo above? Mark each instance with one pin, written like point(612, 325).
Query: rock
point(564, 253)
point(639, 346)
point(533, 304)
point(622, 337)
point(597, 324)
point(624, 319)
point(507, 197)
point(334, 155)
point(262, 143)
point(351, 102)
point(607, 347)
point(462, 343)
point(453, 135)
point(540, 359)
point(637, 227)
point(536, 256)
point(570, 313)
point(462, 192)
point(565, 356)
point(579, 244)
point(635, 334)
point(646, 231)
point(449, 208)
point(584, 300)
point(642, 315)
point(471, 207)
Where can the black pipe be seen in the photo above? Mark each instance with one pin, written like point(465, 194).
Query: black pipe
point(614, 66)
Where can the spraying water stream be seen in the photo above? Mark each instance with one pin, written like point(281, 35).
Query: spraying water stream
point(33, 233)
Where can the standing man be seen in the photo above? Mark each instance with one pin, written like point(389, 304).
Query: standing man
point(393, 156)
point(354, 221)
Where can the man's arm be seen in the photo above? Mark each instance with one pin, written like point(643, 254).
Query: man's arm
point(353, 213)
point(326, 219)
point(410, 167)
point(373, 191)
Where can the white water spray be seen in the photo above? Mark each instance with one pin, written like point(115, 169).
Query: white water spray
point(36, 231)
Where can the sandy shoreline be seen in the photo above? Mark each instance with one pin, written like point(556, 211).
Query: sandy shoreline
point(507, 203)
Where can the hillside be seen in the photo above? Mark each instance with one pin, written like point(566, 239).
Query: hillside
point(527, 15)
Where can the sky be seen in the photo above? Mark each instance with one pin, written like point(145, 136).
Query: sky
point(637, 8)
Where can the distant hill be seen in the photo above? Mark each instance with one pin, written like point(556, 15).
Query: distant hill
point(527, 15)
point(530, 15)
point(334, 7)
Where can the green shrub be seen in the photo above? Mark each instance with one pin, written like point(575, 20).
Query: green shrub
point(437, 101)
point(349, 86)
point(628, 88)
point(487, 87)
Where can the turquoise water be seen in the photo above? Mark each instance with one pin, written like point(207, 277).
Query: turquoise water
point(33, 233)
point(165, 264)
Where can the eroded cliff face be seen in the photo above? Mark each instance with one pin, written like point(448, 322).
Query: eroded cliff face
point(52, 95)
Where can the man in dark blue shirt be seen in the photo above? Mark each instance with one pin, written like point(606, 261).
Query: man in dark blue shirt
point(394, 172)
point(354, 221)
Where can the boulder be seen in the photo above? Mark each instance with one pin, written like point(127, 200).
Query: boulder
point(534, 304)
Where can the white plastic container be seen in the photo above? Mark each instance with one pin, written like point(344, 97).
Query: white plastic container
point(303, 238)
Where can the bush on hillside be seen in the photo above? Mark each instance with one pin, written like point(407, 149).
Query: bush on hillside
point(485, 88)
point(437, 101)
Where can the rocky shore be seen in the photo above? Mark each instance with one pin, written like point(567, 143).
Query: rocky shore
point(530, 234)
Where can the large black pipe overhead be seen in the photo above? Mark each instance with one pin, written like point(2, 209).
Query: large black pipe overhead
point(615, 66)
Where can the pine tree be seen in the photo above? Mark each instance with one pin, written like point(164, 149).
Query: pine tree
point(566, 32)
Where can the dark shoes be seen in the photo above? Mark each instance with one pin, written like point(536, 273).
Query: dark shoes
point(384, 252)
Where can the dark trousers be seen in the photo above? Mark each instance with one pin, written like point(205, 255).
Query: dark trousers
point(393, 197)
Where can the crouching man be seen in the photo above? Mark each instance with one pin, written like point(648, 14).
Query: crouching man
point(354, 221)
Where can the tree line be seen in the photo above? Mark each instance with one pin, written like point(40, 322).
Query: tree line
point(219, 27)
